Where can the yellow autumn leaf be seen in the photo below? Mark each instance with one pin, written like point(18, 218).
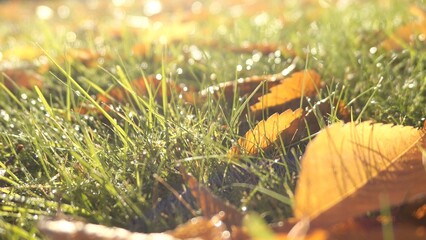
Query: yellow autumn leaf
point(347, 169)
point(300, 84)
point(267, 132)
point(28, 53)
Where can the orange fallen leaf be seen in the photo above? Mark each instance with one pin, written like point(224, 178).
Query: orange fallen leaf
point(287, 127)
point(18, 78)
point(300, 84)
point(347, 168)
point(140, 49)
point(408, 33)
point(87, 57)
point(267, 132)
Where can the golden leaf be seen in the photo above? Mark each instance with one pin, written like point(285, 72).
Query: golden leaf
point(408, 33)
point(277, 127)
point(300, 84)
point(347, 169)
point(22, 53)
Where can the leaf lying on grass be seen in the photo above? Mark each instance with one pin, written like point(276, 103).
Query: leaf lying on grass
point(347, 168)
point(210, 204)
point(267, 132)
point(408, 33)
point(264, 48)
point(245, 86)
point(300, 84)
point(139, 86)
point(15, 78)
point(289, 126)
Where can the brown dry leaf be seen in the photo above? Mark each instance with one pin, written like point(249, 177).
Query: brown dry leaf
point(202, 228)
point(407, 34)
point(121, 94)
point(347, 168)
point(372, 229)
point(267, 132)
point(300, 84)
point(88, 57)
point(15, 78)
point(69, 230)
point(245, 86)
point(211, 205)
point(264, 48)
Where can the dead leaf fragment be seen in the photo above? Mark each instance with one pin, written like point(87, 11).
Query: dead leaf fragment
point(347, 168)
point(15, 78)
point(300, 84)
point(267, 132)
point(87, 57)
point(69, 230)
point(140, 87)
point(202, 228)
point(244, 86)
point(408, 33)
point(211, 205)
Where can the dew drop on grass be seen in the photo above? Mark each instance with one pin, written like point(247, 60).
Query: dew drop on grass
point(44, 12)
point(4, 115)
point(63, 11)
point(152, 7)
point(373, 50)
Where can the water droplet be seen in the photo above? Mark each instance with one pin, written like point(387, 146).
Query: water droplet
point(196, 7)
point(44, 12)
point(152, 7)
point(63, 11)
point(196, 54)
point(70, 37)
point(373, 50)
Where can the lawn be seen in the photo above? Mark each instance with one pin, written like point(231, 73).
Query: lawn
point(101, 103)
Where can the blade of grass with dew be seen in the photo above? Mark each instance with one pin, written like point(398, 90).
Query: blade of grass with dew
point(123, 136)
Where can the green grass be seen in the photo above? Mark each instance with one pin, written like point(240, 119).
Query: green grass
point(101, 167)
